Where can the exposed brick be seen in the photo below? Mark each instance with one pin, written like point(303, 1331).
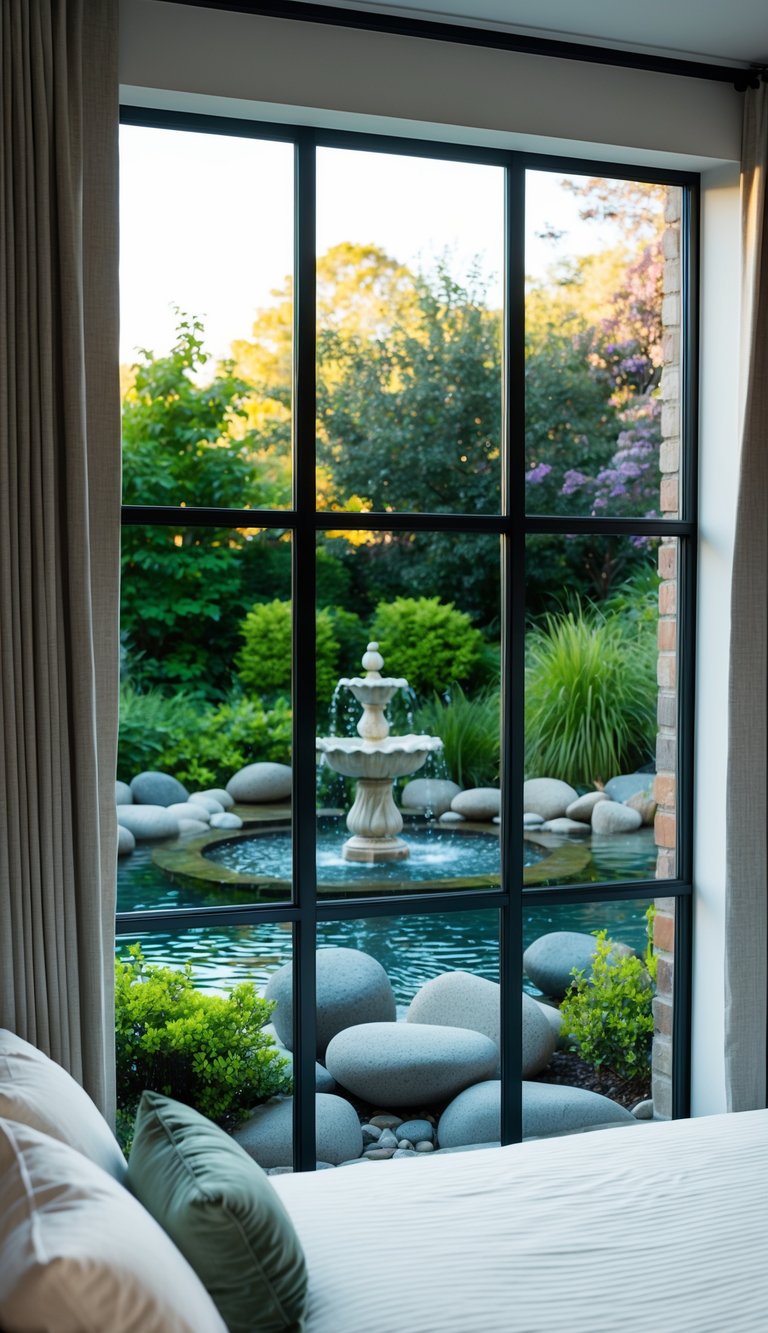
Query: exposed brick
point(661, 1091)
point(669, 495)
point(670, 419)
point(662, 1055)
point(664, 791)
point(674, 204)
point(662, 1015)
point(665, 973)
point(667, 636)
point(666, 671)
point(670, 310)
point(668, 598)
point(670, 243)
point(670, 346)
point(667, 561)
point(669, 455)
point(666, 905)
point(664, 933)
point(671, 278)
point(666, 754)
point(666, 863)
point(665, 829)
point(666, 709)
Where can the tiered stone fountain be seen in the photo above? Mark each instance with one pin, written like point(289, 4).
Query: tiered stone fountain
point(376, 759)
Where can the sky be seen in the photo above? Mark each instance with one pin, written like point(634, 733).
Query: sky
point(207, 225)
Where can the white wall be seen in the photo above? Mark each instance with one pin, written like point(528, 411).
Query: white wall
point(234, 64)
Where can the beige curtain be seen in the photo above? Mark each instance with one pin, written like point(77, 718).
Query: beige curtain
point(59, 528)
point(747, 815)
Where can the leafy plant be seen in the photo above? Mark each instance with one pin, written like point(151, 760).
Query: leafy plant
point(590, 702)
point(209, 1051)
point(264, 661)
point(428, 641)
point(150, 722)
point(468, 726)
point(608, 1015)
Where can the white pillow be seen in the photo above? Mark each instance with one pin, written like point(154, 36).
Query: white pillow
point(81, 1255)
point(37, 1092)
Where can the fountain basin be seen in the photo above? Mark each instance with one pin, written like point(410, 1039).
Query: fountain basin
point(392, 757)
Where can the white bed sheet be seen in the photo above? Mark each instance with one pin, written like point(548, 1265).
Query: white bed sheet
point(662, 1225)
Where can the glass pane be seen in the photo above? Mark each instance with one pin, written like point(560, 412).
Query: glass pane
point(410, 269)
point(206, 315)
point(601, 708)
point(409, 732)
point(181, 979)
point(603, 326)
point(205, 716)
point(407, 1019)
point(600, 975)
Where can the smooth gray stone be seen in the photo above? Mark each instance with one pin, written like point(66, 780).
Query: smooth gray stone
point(548, 1108)
point(351, 988)
point(125, 841)
point(400, 1153)
point(415, 1130)
point(153, 788)
point(226, 820)
point(564, 825)
point(323, 1080)
point(463, 1000)
point(267, 1135)
point(424, 1145)
point(371, 1134)
point(387, 1139)
point(189, 810)
point(219, 794)
point(207, 803)
point(123, 794)
point(629, 784)
point(477, 803)
point(379, 1154)
point(583, 806)
point(409, 1064)
point(434, 794)
point(550, 960)
point(610, 817)
point(148, 821)
point(451, 817)
point(258, 784)
point(406, 1145)
point(643, 1110)
point(325, 1166)
point(386, 1120)
point(645, 806)
point(531, 820)
point(548, 797)
point(552, 1016)
point(193, 826)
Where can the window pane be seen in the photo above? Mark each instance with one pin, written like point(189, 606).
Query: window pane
point(614, 1024)
point(246, 1063)
point(206, 313)
point(205, 716)
point(397, 793)
point(601, 708)
point(603, 327)
point(410, 264)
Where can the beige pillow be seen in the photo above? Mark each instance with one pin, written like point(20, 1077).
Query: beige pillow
point(37, 1092)
point(81, 1255)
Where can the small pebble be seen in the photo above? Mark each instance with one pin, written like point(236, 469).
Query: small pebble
point(405, 1143)
point(385, 1120)
point(279, 1170)
point(353, 1161)
point(401, 1152)
point(387, 1139)
point(379, 1154)
point(371, 1133)
point(425, 1146)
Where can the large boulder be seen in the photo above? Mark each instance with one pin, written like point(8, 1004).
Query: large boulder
point(351, 988)
point(152, 788)
point(548, 797)
point(123, 794)
point(147, 822)
point(552, 958)
point(477, 803)
point(548, 1108)
point(267, 1134)
point(409, 1064)
point(433, 794)
point(462, 1000)
point(259, 784)
point(611, 817)
point(583, 806)
point(629, 784)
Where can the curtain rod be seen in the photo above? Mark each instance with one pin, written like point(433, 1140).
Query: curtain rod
point(742, 77)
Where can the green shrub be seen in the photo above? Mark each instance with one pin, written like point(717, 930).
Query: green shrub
point(209, 1051)
point(150, 722)
point(264, 661)
point(468, 726)
point(590, 697)
point(225, 739)
point(428, 641)
point(608, 1016)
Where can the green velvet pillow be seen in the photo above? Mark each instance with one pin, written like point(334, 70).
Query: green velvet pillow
point(219, 1208)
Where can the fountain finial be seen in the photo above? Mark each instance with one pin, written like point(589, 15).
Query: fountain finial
point(373, 660)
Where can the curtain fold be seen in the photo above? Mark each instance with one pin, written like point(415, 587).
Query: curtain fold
point(746, 970)
point(59, 529)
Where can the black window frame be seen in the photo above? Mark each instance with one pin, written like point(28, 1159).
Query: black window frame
point(512, 525)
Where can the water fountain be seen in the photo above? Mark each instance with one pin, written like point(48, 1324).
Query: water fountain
point(375, 760)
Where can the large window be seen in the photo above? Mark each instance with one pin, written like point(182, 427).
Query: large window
point(407, 625)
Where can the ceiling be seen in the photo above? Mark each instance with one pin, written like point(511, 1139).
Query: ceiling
point(714, 30)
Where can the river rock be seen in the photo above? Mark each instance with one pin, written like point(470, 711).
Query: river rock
point(644, 804)
point(463, 1000)
point(611, 817)
point(258, 784)
point(219, 794)
point(267, 1134)
point(451, 817)
point(352, 988)
point(207, 803)
point(553, 1017)
point(433, 794)
point(417, 1131)
point(190, 810)
point(565, 825)
point(548, 797)
point(474, 1116)
point(583, 806)
point(226, 820)
point(477, 803)
point(148, 821)
point(125, 841)
point(323, 1080)
point(409, 1064)
point(195, 826)
point(628, 784)
point(551, 959)
point(123, 794)
point(531, 820)
point(157, 789)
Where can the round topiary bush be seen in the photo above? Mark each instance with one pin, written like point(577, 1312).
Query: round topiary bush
point(428, 641)
point(264, 661)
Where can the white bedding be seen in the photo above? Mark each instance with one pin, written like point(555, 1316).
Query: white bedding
point(656, 1226)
